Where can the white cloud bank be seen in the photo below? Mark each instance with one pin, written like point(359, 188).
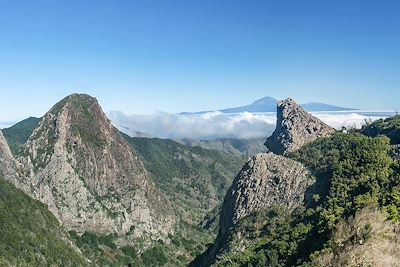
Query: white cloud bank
point(213, 125)
point(204, 126)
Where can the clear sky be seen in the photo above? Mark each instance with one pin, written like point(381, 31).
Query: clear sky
point(180, 55)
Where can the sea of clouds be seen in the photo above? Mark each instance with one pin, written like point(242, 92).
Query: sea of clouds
point(216, 124)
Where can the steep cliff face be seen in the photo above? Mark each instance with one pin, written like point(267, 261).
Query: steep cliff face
point(7, 164)
point(10, 169)
point(265, 181)
point(294, 128)
point(89, 176)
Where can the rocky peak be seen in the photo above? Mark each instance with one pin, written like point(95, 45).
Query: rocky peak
point(294, 128)
point(265, 181)
point(89, 176)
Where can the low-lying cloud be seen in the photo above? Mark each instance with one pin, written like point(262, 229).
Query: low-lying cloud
point(204, 126)
point(216, 124)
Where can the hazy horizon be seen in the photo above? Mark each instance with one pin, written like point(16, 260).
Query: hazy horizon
point(7, 120)
point(216, 124)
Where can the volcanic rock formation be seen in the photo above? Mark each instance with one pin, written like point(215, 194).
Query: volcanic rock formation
point(294, 128)
point(90, 177)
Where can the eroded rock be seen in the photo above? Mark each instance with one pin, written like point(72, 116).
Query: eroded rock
point(294, 128)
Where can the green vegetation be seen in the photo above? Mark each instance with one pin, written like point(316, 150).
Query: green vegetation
point(18, 134)
point(352, 172)
point(389, 127)
point(102, 249)
point(187, 243)
point(195, 179)
point(154, 257)
point(30, 235)
point(86, 120)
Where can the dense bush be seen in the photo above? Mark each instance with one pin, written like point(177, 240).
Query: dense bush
point(389, 127)
point(154, 257)
point(30, 235)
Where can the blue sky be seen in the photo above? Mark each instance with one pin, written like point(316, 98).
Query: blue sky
point(180, 55)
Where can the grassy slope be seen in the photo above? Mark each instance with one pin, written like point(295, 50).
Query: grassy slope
point(30, 235)
point(19, 133)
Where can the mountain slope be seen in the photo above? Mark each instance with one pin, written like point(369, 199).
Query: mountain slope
point(365, 239)
point(238, 147)
point(11, 170)
point(18, 134)
point(90, 177)
point(268, 104)
point(30, 235)
point(265, 181)
point(352, 173)
point(195, 179)
point(315, 106)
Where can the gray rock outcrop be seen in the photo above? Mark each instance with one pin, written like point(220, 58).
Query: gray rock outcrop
point(11, 170)
point(7, 164)
point(294, 128)
point(265, 181)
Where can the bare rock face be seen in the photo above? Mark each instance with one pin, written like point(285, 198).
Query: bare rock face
point(265, 181)
point(89, 176)
point(11, 170)
point(294, 128)
point(7, 164)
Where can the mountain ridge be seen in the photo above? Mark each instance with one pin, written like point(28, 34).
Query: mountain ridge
point(75, 158)
point(268, 104)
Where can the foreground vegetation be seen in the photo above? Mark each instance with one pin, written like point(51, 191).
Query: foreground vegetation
point(30, 235)
point(109, 250)
point(353, 174)
point(389, 127)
